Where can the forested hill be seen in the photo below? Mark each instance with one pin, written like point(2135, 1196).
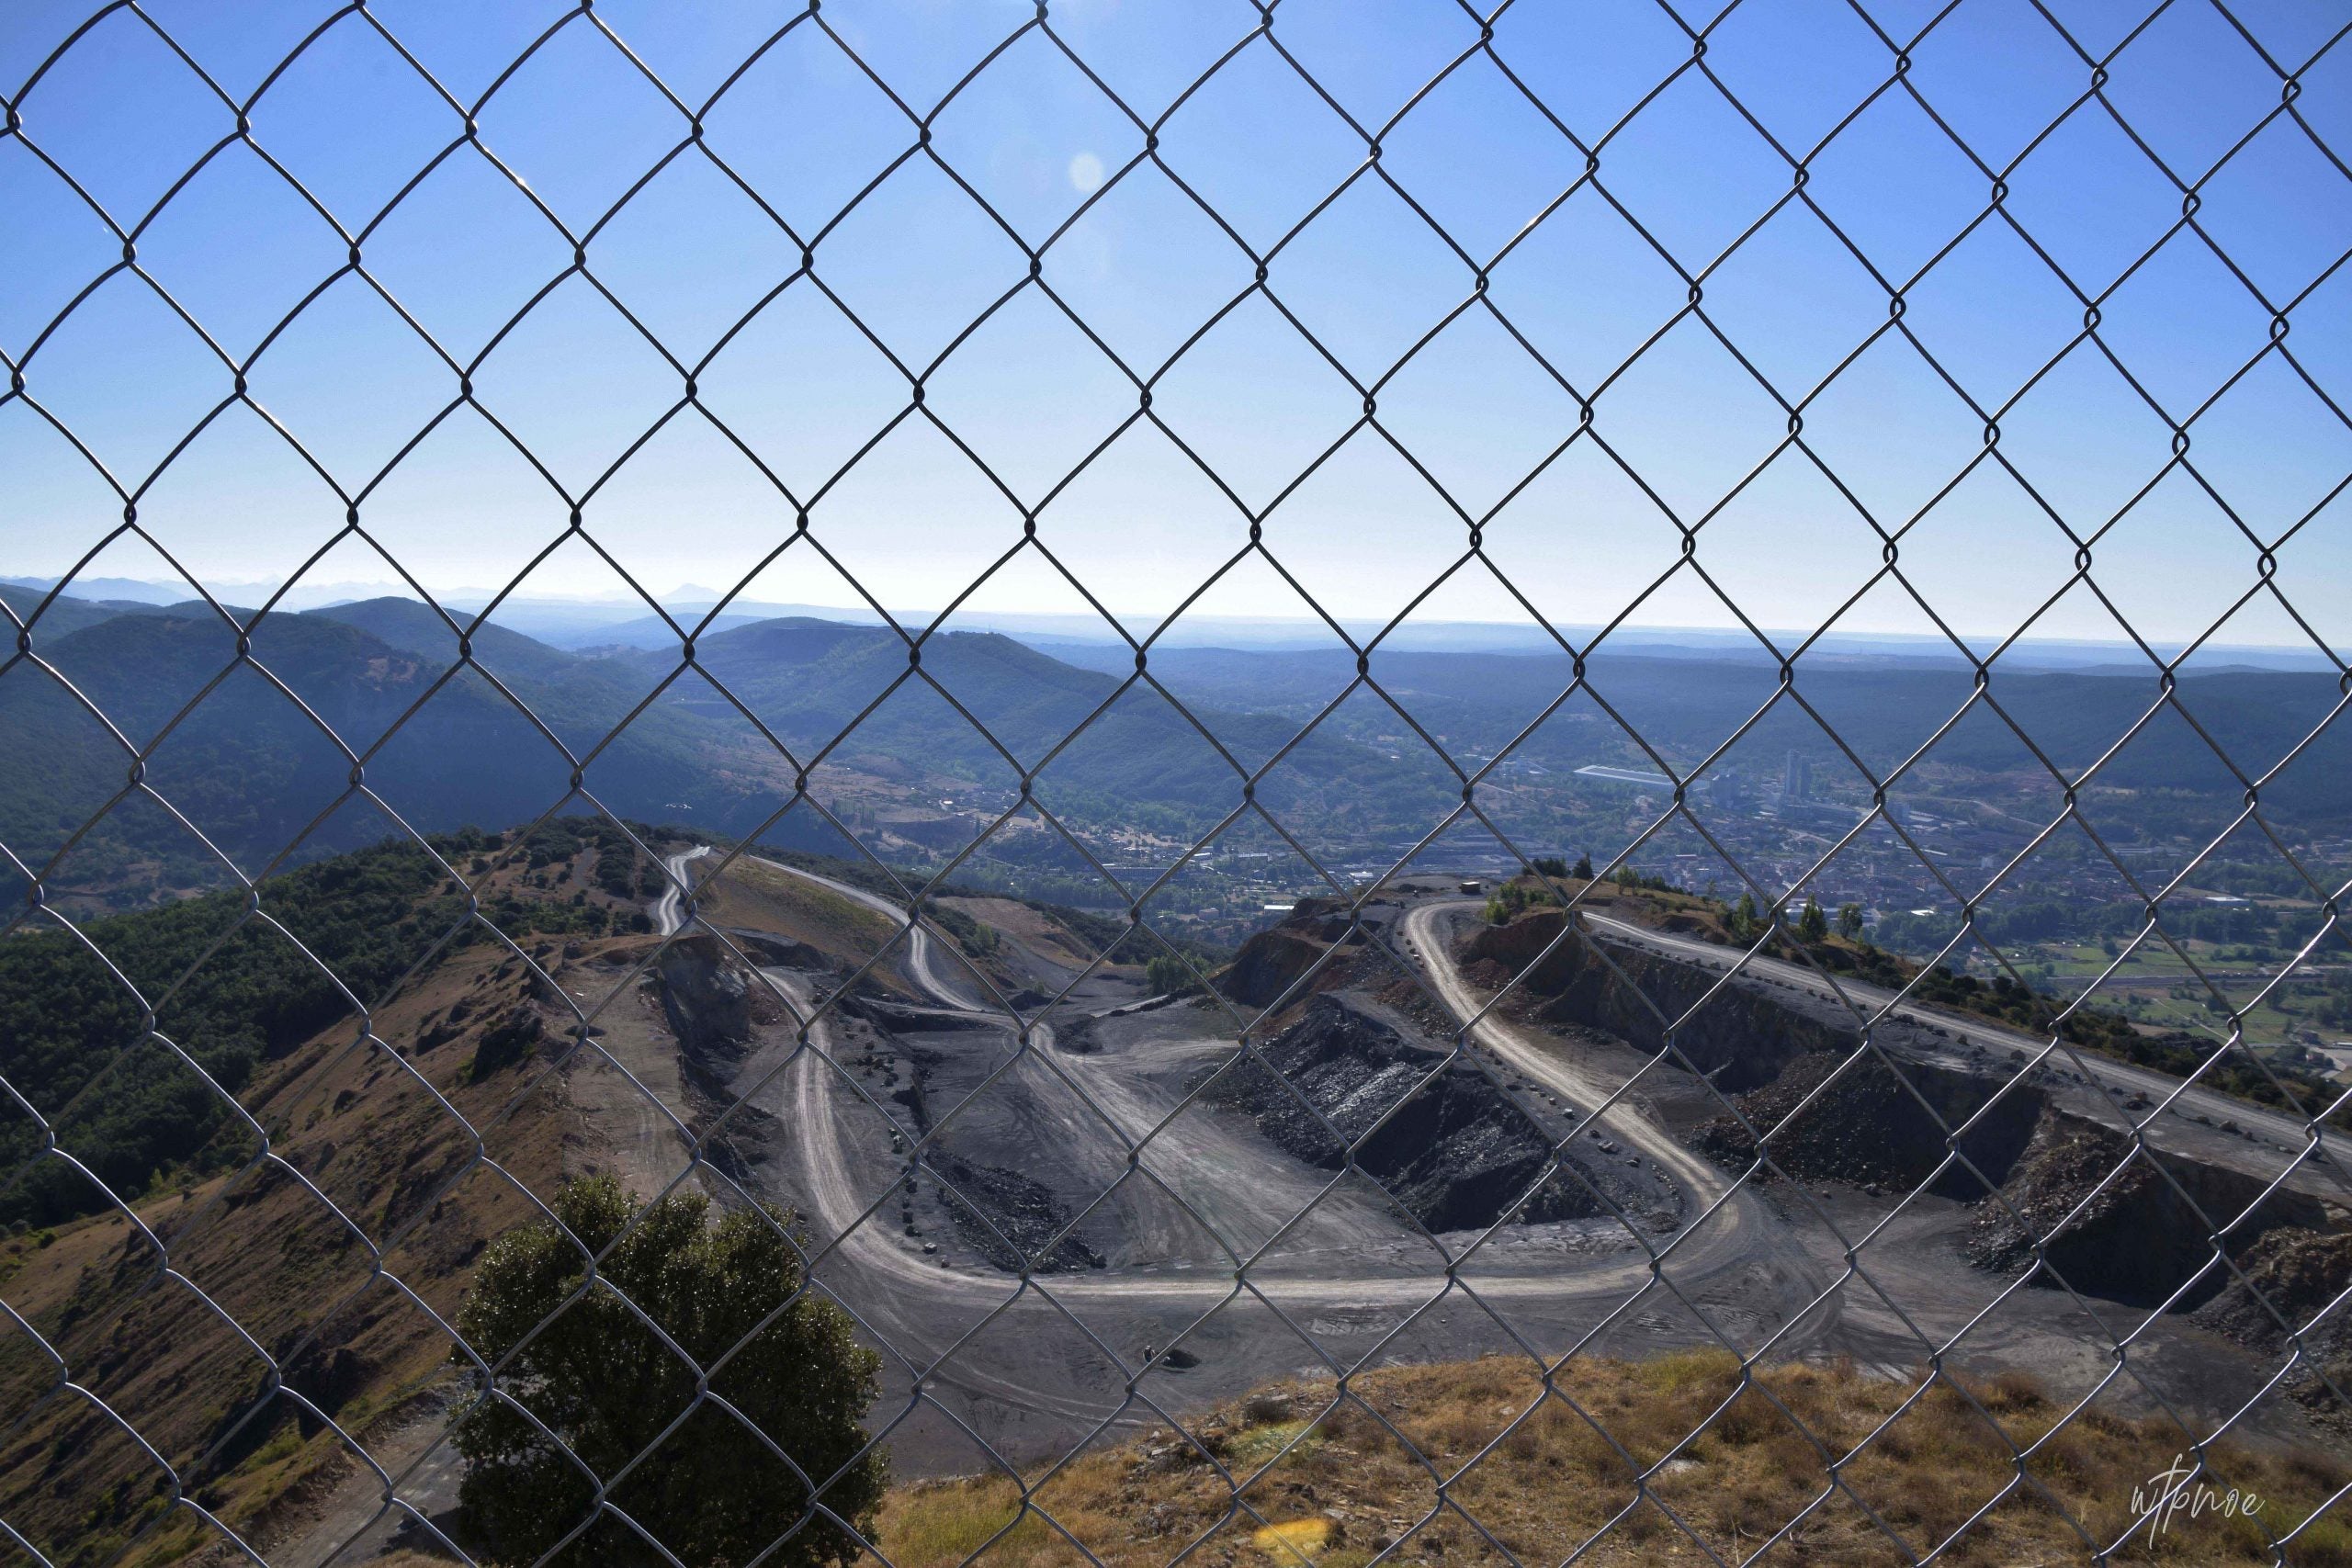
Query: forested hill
point(977, 692)
point(253, 768)
point(234, 993)
point(62, 614)
point(1883, 708)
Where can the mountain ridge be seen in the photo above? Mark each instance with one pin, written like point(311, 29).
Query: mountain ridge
point(928, 742)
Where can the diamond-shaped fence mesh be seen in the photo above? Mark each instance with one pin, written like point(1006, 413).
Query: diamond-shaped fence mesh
point(1768, 1245)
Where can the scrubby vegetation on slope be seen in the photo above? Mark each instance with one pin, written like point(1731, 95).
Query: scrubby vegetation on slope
point(1537, 1474)
point(233, 991)
point(368, 1127)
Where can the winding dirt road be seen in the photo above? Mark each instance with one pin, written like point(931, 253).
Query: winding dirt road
point(2271, 1132)
point(1738, 1248)
point(1743, 1259)
point(1548, 1063)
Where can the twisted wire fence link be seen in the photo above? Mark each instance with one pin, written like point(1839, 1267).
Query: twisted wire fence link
point(173, 1275)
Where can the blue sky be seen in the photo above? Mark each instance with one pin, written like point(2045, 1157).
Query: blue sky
point(916, 260)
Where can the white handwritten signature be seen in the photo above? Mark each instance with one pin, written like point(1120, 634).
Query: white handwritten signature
point(2167, 1495)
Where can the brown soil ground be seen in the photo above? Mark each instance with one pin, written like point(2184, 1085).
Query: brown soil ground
point(356, 1123)
point(1032, 928)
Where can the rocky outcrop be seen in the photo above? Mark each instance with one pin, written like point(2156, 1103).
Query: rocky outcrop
point(1457, 1155)
point(1867, 1128)
point(2137, 1239)
point(714, 1006)
point(780, 952)
point(328, 1380)
point(1743, 1035)
point(1321, 930)
point(2300, 1273)
point(1269, 964)
point(506, 1043)
point(2142, 1237)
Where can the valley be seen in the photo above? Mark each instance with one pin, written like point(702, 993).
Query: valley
point(1063, 1203)
point(1358, 1091)
point(1218, 781)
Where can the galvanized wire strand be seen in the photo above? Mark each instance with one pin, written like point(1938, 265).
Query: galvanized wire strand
point(1266, 527)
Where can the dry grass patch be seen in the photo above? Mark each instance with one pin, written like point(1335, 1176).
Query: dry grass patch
point(1538, 1475)
point(758, 897)
point(1032, 928)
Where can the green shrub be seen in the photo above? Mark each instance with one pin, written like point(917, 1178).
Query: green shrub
point(604, 1386)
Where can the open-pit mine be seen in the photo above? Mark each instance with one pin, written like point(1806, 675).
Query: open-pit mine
point(1394, 1131)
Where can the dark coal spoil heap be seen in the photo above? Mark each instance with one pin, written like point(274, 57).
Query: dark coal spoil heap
point(1007, 1218)
point(1867, 1126)
point(2136, 1238)
point(1457, 1156)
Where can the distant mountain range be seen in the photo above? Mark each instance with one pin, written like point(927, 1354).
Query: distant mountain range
point(927, 754)
point(251, 767)
point(618, 621)
point(249, 761)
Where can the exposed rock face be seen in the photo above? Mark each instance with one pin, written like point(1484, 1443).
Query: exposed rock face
point(713, 1006)
point(2298, 1272)
point(506, 1043)
point(2139, 1239)
point(761, 948)
point(328, 1379)
point(1743, 1036)
point(1457, 1156)
point(1867, 1127)
point(1269, 964)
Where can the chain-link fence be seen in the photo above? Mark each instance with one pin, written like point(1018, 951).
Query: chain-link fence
point(254, 1349)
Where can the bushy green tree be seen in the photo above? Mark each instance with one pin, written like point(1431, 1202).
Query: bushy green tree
point(603, 1383)
point(1850, 921)
point(1165, 974)
point(1744, 917)
point(1582, 870)
point(1812, 924)
point(1512, 899)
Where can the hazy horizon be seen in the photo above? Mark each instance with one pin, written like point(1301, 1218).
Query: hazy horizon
point(581, 622)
